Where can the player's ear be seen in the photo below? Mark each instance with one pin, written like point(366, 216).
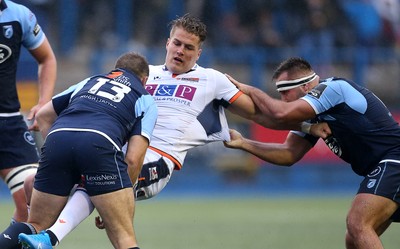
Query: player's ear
point(199, 53)
point(144, 80)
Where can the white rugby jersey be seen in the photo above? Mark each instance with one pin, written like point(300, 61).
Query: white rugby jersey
point(190, 109)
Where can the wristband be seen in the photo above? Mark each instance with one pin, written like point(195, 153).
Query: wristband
point(306, 127)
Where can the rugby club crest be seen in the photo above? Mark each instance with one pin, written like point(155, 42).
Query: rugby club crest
point(8, 31)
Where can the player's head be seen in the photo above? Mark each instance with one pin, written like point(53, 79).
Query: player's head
point(294, 77)
point(184, 43)
point(135, 63)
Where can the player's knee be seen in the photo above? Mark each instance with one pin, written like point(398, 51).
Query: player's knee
point(354, 227)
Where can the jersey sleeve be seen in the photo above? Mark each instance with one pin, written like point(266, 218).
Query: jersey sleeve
point(147, 112)
point(61, 100)
point(226, 91)
point(33, 35)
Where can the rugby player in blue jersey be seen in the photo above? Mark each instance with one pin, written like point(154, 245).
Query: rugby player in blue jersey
point(357, 127)
point(18, 153)
point(85, 128)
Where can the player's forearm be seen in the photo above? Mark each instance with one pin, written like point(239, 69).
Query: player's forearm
point(270, 152)
point(47, 73)
point(269, 113)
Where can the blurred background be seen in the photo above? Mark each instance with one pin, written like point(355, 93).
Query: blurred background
point(355, 39)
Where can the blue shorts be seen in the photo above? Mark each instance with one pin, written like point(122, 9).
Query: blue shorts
point(87, 158)
point(384, 181)
point(17, 146)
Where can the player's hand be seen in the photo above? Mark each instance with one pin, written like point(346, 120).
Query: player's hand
point(236, 140)
point(31, 118)
point(241, 86)
point(99, 223)
point(321, 130)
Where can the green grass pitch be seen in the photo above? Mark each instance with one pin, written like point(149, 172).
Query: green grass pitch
point(255, 223)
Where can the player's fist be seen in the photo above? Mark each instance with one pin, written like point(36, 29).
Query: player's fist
point(321, 130)
point(236, 140)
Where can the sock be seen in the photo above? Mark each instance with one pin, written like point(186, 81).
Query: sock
point(77, 209)
point(134, 248)
point(9, 238)
point(53, 238)
point(13, 221)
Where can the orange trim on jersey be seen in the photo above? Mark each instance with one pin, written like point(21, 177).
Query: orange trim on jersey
point(178, 165)
point(114, 74)
point(235, 97)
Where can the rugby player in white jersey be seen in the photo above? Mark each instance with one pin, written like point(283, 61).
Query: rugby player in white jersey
point(191, 102)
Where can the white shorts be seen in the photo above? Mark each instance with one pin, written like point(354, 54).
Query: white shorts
point(155, 175)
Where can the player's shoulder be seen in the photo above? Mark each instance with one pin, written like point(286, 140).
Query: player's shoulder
point(156, 67)
point(17, 10)
point(212, 73)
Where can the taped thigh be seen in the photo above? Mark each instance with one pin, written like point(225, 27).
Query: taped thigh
point(16, 177)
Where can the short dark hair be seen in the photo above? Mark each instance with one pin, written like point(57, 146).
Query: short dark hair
point(190, 24)
point(292, 65)
point(133, 62)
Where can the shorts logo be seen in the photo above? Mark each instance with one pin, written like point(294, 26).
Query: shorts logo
point(371, 183)
point(101, 180)
point(178, 91)
point(375, 172)
point(153, 175)
point(29, 138)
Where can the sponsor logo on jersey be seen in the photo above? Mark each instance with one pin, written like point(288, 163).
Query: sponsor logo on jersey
point(190, 79)
point(36, 29)
point(317, 91)
point(114, 74)
point(5, 53)
point(334, 146)
point(178, 91)
point(8, 31)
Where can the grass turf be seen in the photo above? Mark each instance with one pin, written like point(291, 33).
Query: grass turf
point(275, 223)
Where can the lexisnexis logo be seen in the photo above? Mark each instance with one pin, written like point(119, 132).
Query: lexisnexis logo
point(101, 178)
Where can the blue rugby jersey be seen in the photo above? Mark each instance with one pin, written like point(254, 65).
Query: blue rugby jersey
point(18, 26)
point(363, 129)
point(115, 105)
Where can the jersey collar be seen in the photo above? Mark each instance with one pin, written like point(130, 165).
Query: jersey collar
point(3, 6)
point(192, 69)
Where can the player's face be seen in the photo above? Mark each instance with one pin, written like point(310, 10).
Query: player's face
point(183, 50)
point(292, 94)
